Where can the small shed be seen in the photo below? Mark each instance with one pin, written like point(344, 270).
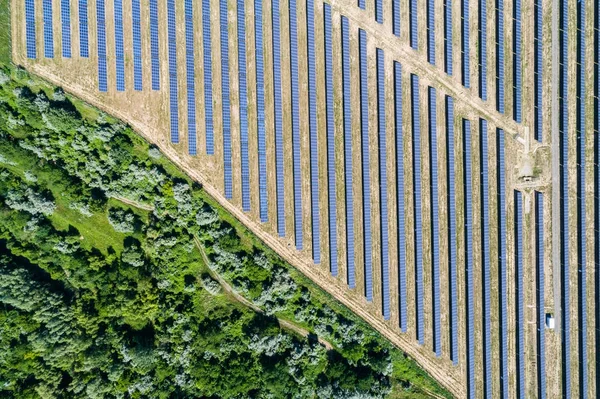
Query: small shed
point(549, 321)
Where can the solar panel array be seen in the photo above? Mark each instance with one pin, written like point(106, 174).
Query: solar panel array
point(137, 44)
point(101, 40)
point(65, 18)
point(517, 61)
point(278, 111)
point(314, 132)
point(379, 11)
point(207, 62)
point(84, 50)
point(260, 111)
point(383, 193)
point(243, 109)
point(418, 226)
point(520, 318)
point(537, 69)
point(173, 90)
point(119, 52)
point(485, 254)
point(452, 240)
point(396, 17)
point(30, 28)
point(539, 263)
point(469, 262)
point(48, 29)
point(347, 96)
point(500, 55)
point(366, 178)
point(465, 49)
point(402, 300)
point(154, 54)
point(296, 125)
point(503, 288)
point(431, 31)
point(414, 41)
point(330, 119)
point(190, 75)
point(483, 49)
point(362, 4)
point(227, 173)
point(448, 37)
point(435, 228)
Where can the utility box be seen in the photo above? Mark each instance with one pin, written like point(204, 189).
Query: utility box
point(549, 321)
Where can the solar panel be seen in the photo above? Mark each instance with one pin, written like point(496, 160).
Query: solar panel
point(402, 300)
point(296, 125)
point(431, 31)
point(119, 52)
point(537, 69)
point(520, 308)
point(260, 110)
point(278, 111)
point(435, 228)
point(190, 75)
point(314, 131)
point(173, 88)
point(207, 58)
point(362, 4)
point(154, 52)
point(137, 44)
point(465, 49)
point(452, 240)
point(243, 98)
point(65, 19)
point(83, 29)
point(30, 28)
point(483, 50)
point(517, 60)
point(48, 29)
point(413, 24)
point(101, 42)
point(418, 227)
point(379, 11)
point(448, 37)
point(396, 17)
point(469, 262)
point(500, 56)
point(225, 100)
point(503, 286)
point(383, 194)
point(539, 262)
point(346, 99)
point(330, 118)
point(366, 178)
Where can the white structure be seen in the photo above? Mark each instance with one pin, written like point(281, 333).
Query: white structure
point(549, 321)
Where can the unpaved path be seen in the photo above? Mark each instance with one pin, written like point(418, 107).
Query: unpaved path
point(135, 204)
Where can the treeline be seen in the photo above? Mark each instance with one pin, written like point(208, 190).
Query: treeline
point(104, 292)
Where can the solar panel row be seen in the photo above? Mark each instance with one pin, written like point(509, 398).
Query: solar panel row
point(418, 227)
point(379, 11)
point(190, 75)
point(537, 69)
point(84, 50)
point(483, 49)
point(520, 308)
point(435, 227)
point(207, 59)
point(402, 300)
point(366, 178)
point(260, 111)
point(154, 54)
point(396, 17)
point(101, 41)
point(539, 262)
point(500, 56)
point(278, 111)
point(383, 194)
point(362, 4)
point(173, 89)
point(48, 29)
point(414, 43)
point(30, 28)
point(465, 49)
point(517, 61)
point(243, 103)
point(330, 118)
point(119, 52)
point(65, 18)
point(314, 132)
point(137, 44)
point(503, 288)
point(225, 100)
point(347, 96)
point(431, 31)
point(452, 251)
point(296, 125)
point(448, 37)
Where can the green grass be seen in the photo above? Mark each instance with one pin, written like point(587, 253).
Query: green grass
point(5, 45)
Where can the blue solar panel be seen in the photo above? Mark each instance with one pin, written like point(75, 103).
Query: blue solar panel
point(448, 37)
point(469, 263)
point(190, 75)
point(207, 58)
point(296, 125)
point(346, 99)
point(48, 29)
point(517, 60)
point(500, 56)
point(414, 40)
point(225, 100)
point(483, 50)
point(173, 88)
point(502, 263)
point(137, 44)
point(84, 50)
point(452, 251)
point(30, 28)
point(435, 228)
point(465, 48)
point(520, 318)
point(379, 11)
point(396, 17)
point(314, 131)
point(65, 19)
point(154, 52)
point(331, 169)
point(260, 110)
point(383, 203)
point(119, 52)
point(241, 38)
point(402, 300)
point(537, 69)
point(485, 255)
point(362, 4)
point(278, 111)
point(101, 32)
point(366, 177)
point(418, 226)
point(539, 262)
point(431, 31)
